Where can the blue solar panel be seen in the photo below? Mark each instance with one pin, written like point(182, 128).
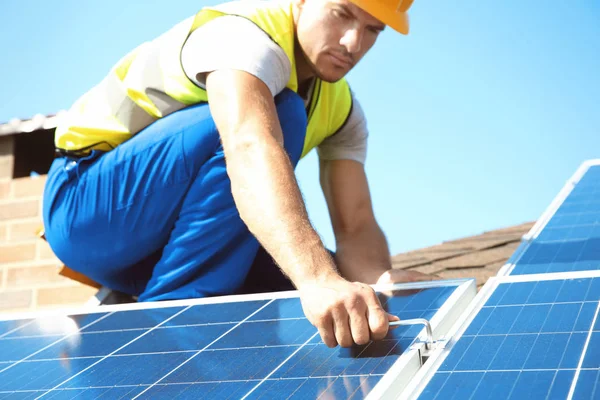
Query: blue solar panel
point(8, 326)
point(570, 241)
point(260, 348)
point(529, 341)
point(578, 216)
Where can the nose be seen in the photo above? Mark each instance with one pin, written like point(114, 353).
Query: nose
point(352, 40)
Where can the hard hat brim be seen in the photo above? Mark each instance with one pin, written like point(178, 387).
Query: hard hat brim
point(396, 20)
point(399, 22)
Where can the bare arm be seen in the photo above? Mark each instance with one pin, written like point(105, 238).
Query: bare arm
point(362, 251)
point(262, 178)
point(269, 202)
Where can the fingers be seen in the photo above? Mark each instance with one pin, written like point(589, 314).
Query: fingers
point(327, 332)
point(392, 318)
point(352, 322)
point(346, 315)
point(359, 325)
point(378, 322)
point(377, 318)
point(343, 334)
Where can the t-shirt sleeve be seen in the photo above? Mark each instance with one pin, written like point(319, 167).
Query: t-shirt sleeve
point(232, 42)
point(350, 142)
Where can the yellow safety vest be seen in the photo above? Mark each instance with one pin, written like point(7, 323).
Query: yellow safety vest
point(149, 83)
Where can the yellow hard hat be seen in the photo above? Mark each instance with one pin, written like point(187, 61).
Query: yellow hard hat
point(393, 13)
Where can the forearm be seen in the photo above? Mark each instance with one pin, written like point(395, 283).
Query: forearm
point(363, 255)
point(270, 204)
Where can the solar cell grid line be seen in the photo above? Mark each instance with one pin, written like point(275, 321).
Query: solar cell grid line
point(59, 338)
point(523, 337)
point(8, 327)
point(128, 322)
point(567, 235)
point(105, 361)
point(318, 362)
point(291, 308)
point(279, 366)
point(589, 166)
point(105, 357)
point(201, 350)
point(583, 355)
point(142, 335)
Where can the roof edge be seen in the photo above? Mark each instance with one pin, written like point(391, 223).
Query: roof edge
point(35, 123)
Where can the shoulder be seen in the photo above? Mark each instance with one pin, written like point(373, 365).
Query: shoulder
point(232, 42)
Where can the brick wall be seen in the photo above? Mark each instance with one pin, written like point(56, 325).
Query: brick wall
point(29, 271)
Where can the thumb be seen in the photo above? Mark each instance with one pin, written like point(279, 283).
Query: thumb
point(392, 318)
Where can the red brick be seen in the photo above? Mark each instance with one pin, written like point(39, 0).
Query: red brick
point(24, 187)
point(19, 209)
point(24, 230)
point(44, 251)
point(3, 232)
point(4, 189)
point(65, 295)
point(17, 252)
point(15, 299)
point(28, 276)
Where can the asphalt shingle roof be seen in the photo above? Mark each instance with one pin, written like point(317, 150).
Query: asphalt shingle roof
point(478, 257)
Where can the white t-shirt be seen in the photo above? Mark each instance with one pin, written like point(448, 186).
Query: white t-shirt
point(232, 42)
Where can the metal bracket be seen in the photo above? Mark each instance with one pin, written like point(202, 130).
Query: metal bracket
point(430, 343)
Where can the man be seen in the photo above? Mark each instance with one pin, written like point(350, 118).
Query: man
point(141, 199)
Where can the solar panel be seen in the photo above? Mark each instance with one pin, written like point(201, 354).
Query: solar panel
point(525, 337)
point(256, 346)
point(567, 237)
point(531, 333)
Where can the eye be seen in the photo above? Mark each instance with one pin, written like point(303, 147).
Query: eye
point(339, 14)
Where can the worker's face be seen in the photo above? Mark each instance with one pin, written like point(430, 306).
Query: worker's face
point(334, 35)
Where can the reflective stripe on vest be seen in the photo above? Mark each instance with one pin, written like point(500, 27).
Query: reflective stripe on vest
point(149, 83)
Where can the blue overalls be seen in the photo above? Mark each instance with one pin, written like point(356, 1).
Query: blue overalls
point(155, 217)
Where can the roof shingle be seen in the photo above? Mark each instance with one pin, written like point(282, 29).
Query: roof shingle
point(478, 257)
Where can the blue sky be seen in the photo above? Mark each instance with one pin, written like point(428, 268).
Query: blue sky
point(477, 118)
